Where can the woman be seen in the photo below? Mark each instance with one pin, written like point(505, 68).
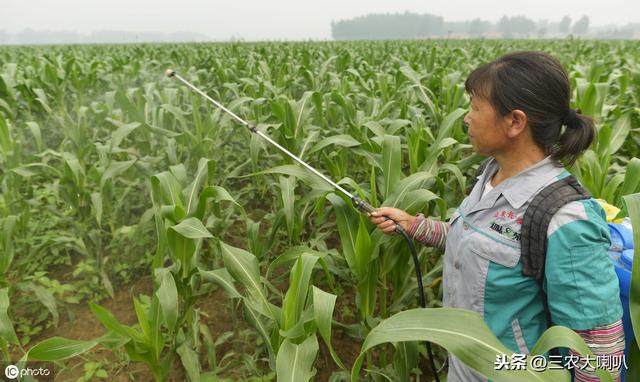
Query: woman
point(520, 118)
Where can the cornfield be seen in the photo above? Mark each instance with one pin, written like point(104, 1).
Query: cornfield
point(226, 259)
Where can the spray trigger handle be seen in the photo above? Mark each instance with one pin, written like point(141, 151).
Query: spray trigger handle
point(362, 205)
point(368, 208)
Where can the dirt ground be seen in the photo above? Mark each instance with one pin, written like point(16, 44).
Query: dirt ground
point(78, 322)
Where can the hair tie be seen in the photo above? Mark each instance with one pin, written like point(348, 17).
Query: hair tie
point(571, 116)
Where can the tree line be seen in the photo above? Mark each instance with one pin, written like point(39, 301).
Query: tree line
point(411, 25)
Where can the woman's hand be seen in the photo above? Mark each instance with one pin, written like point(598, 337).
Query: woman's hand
point(387, 225)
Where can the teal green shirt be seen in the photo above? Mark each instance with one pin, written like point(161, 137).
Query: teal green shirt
point(483, 270)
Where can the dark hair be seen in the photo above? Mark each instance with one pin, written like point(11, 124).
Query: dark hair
point(537, 84)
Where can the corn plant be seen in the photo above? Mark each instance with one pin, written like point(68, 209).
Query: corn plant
point(289, 330)
point(7, 334)
point(96, 148)
point(633, 206)
point(605, 174)
point(170, 312)
point(50, 349)
point(144, 343)
point(452, 328)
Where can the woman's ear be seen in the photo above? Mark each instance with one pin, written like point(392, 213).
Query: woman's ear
point(517, 121)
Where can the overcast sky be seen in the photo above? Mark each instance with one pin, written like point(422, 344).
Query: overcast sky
point(281, 19)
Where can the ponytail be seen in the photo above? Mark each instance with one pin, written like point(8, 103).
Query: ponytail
point(577, 137)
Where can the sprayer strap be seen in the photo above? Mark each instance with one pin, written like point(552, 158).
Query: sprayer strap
point(537, 217)
point(535, 224)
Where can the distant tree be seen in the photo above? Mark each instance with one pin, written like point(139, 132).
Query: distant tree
point(457, 27)
point(522, 25)
point(626, 32)
point(479, 27)
point(409, 25)
point(519, 25)
point(542, 27)
point(504, 26)
point(565, 24)
point(388, 26)
point(581, 26)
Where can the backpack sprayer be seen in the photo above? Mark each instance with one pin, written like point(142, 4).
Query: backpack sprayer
point(360, 204)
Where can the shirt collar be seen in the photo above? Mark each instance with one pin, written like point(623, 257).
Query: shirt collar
point(518, 189)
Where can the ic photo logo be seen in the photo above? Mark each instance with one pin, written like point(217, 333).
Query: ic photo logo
point(14, 372)
point(11, 371)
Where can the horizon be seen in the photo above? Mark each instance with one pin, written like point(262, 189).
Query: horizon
point(280, 20)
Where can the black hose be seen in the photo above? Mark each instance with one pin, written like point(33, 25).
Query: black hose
point(421, 299)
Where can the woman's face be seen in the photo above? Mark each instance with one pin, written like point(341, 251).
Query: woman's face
point(487, 129)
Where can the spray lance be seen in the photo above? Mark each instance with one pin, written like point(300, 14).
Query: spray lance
point(360, 204)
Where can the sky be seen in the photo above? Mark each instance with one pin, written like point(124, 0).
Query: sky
point(281, 19)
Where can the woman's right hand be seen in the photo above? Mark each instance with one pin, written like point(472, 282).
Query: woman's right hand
point(394, 215)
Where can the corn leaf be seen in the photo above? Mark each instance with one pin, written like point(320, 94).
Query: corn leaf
point(412, 182)
point(167, 295)
point(346, 228)
point(7, 334)
point(121, 132)
point(58, 348)
point(166, 189)
point(342, 140)
point(323, 305)
point(364, 248)
point(633, 361)
point(218, 194)
point(631, 182)
point(461, 332)
point(294, 363)
point(191, 192)
point(633, 206)
point(391, 164)
point(107, 320)
point(222, 278)
point(294, 300)
point(115, 168)
point(287, 195)
point(304, 175)
point(620, 130)
point(189, 359)
point(244, 268)
point(192, 228)
point(6, 244)
point(560, 336)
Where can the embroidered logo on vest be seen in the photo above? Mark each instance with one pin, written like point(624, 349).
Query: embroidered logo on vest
point(505, 231)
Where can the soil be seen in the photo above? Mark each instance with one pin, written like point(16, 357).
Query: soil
point(78, 322)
